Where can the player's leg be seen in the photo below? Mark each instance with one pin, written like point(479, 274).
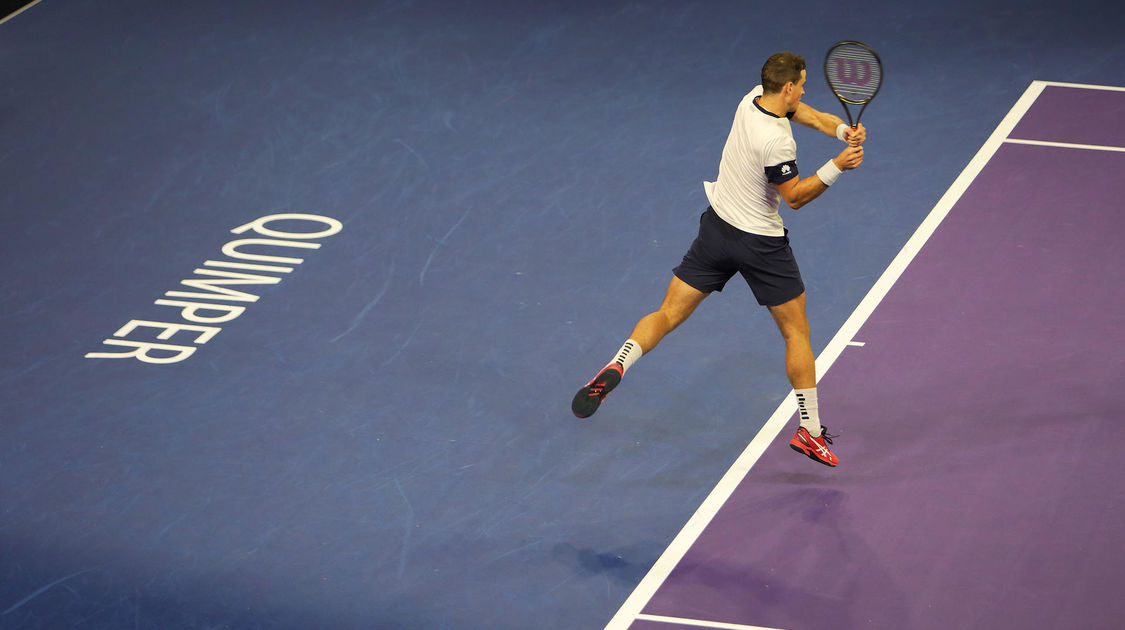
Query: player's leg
point(800, 364)
point(679, 302)
point(704, 269)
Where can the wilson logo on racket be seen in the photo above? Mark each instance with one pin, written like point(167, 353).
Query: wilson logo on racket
point(856, 72)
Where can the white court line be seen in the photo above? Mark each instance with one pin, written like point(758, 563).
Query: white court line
point(701, 624)
point(1066, 145)
point(631, 609)
point(25, 8)
point(1084, 86)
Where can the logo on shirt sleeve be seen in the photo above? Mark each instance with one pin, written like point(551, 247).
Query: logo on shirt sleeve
point(782, 172)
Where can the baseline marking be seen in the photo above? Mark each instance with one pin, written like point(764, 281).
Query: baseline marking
point(1084, 86)
point(700, 624)
point(1065, 145)
point(631, 609)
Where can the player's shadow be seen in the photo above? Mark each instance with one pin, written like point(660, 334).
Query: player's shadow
point(627, 565)
point(761, 575)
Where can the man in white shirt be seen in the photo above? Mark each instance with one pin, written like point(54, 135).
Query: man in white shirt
point(742, 232)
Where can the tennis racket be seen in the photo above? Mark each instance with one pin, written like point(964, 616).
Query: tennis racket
point(854, 74)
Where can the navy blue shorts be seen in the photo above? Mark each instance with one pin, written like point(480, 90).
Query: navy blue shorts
point(721, 250)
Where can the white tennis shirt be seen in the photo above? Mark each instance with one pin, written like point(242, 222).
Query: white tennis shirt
point(759, 152)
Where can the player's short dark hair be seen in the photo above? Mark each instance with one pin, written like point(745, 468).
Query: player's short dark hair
point(779, 69)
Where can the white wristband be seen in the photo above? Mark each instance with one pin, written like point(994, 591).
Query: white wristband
point(840, 129)
point(829, 173)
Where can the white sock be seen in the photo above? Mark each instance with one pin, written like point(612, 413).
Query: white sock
point(807, 407)
point(628, 354)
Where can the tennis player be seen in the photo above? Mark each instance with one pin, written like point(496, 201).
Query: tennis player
point(742, 232)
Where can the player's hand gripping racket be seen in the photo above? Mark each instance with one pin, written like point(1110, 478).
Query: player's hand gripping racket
point(854, 74)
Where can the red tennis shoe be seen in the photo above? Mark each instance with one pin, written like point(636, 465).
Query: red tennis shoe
point(588, 398)
point(816, 448)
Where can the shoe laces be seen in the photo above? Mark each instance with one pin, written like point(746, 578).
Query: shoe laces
point(824, 434)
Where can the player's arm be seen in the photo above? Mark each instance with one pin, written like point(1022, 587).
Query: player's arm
point(829, 124)
point(797, 192)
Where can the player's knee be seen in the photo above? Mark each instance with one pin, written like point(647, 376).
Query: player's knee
point(795, 333)
point(674, 316)
point(793, 328)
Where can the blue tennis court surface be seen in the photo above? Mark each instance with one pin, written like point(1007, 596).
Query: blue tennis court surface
point(431, 222)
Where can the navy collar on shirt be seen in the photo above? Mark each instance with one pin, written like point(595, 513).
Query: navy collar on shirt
point(768, 112)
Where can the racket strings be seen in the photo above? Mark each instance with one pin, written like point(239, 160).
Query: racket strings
point(853, 73)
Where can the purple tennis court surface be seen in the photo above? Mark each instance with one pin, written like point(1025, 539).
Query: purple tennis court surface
point(979, 423)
